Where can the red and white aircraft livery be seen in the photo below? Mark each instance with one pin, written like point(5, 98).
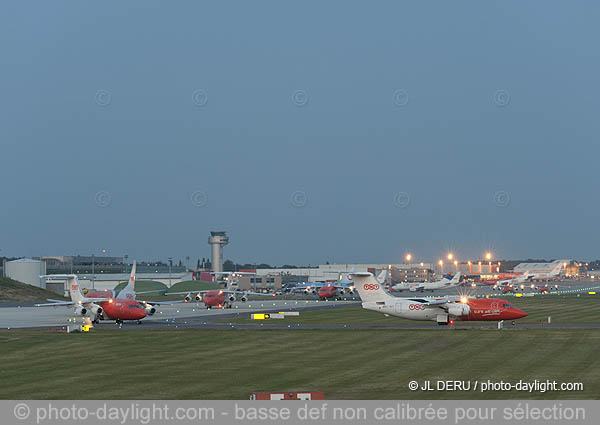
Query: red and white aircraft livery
point(107, 307)
point(440, 310)
point(222, 298)
point(129, 293)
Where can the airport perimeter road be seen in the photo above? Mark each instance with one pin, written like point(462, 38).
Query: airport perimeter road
point(36, 317)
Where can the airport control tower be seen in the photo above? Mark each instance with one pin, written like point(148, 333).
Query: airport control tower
point(217, 241)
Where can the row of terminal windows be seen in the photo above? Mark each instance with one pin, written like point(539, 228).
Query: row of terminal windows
point(260, 280)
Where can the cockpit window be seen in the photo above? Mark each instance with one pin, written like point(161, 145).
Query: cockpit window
point(508, 306)
point(134, 306)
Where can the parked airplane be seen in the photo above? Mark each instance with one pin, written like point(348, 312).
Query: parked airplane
point(428, 286)
point(109, 308)
point(222, 298)
point(531, 276)
point(344, 280)
point(344, 286)
point(513, 288)
point(441, 310)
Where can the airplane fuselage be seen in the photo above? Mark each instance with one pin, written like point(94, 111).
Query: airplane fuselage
point(116, 309)
point(471, 310)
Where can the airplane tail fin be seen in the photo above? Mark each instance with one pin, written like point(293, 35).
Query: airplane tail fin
point(456, 278)
point(74, 289)
point(382, 277)
point(369, 288)
point(131, 284)
point(72, 284)
point(128, 292)
point(557, 269)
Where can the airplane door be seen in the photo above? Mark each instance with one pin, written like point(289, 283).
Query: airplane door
point(495, 307)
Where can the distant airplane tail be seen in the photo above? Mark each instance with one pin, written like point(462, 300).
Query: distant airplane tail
point(369, 288)
point(456, 278)
point(129, 290)
point(382, 277)
point(557, 269)
point(73, 285)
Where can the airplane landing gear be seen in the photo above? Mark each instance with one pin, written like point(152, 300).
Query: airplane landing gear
point(139, 322)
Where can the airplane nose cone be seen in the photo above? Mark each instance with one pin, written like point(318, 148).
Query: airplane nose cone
point(520, 313)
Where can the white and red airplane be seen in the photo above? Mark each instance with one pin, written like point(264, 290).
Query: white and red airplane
point(441, 310)
point(129, 293)
point(107, 307)
point(530, 276)
point(443, 283)
point(222, 298)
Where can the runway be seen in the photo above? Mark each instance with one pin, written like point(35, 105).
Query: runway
point(195, 315)
point(171, 315)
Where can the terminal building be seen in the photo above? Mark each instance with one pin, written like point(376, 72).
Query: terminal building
point(330, 272)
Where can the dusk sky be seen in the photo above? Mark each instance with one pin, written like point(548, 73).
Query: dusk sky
point(311, 131)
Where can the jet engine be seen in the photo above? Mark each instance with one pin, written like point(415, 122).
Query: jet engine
point(150, 310)
point(198, 296)
point(95, 309)
point(244, 298)
point(187, 298)
point(80, 310)
point(341, 292)
point(459, 309)
point(231, 298)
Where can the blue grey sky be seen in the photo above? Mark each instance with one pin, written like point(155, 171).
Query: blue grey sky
point(311, 131)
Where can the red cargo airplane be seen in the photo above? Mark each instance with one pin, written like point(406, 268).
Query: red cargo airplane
point(221, 298)
point(329, 291)
point(441, 310)
point(110, 308)
point(128, 293)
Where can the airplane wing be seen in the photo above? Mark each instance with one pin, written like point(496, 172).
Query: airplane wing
point(150, 292)
point(56, 303)
point(161, 302)
point(250, 293)
point(66, 303)
point(437, 301)
point(202, 291)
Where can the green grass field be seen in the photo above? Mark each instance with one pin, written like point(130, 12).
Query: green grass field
point(345, 364)
point(145, 285)
point(11, 290)
point(193, 285)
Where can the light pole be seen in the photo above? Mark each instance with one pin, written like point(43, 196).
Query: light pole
point(170, 264)
point(93, 271)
